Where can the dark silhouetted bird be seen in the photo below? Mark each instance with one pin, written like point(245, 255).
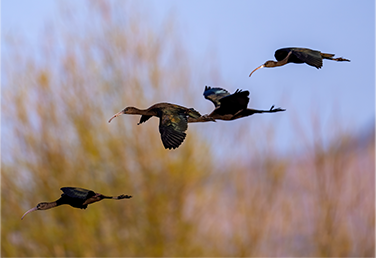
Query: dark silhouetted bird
point(75, 197)
point(172, 121)
point(229, 106)
point(299, 56)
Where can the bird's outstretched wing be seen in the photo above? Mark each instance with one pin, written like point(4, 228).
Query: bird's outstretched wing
point(172, 128)
point(76, 192)
point(233, 103)
point(171, 138)
point(215, 94)
point(309, 56)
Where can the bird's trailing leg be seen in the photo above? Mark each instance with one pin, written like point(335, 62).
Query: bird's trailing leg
point(330, 57)
point(122, 196)
point(273, 110)
point(249, 111)
point(340, 59)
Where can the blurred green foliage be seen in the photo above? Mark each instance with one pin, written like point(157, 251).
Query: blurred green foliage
point(55, 107)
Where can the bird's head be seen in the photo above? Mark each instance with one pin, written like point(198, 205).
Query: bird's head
point(269, 63)
point(40, 206)
point(43, 206)
point(126, 110)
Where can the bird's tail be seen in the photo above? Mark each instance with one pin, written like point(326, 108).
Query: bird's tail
point(327, 56)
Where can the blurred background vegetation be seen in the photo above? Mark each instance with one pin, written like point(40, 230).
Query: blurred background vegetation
point(193, 201)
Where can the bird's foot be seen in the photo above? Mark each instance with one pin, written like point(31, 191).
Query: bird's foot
point(340, 59)
point(272, 109)
point(123, 196)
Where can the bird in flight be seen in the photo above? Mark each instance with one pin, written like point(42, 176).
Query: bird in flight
point(75, 197)
point(173, 121)
point(299, 56)
point(229, 106)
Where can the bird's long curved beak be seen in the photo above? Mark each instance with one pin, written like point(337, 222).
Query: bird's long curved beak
point(31, 210)
point(116, 115)
point(261, 66)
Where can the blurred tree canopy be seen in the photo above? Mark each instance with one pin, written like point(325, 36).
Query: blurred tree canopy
point(56, 102)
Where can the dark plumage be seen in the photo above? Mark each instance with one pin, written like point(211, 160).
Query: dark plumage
point(172, 121)
point(299, 56)
point(75, 197)
point(229, 106)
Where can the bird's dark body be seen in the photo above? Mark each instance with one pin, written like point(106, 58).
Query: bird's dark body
point(75, 197)
point(226, 103)
point(172, 122)
point(74, 202)
point(302, 55)
point(170, 114)
point(233, 103)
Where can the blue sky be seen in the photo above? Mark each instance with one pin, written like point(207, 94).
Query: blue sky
point(245, 34)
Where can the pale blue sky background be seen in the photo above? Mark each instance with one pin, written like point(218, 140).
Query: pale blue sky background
point(244, 34)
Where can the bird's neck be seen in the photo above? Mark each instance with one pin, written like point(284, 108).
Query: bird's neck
point(272, 63)
point(137, 111)
point(280, 63)
point(50, 205)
